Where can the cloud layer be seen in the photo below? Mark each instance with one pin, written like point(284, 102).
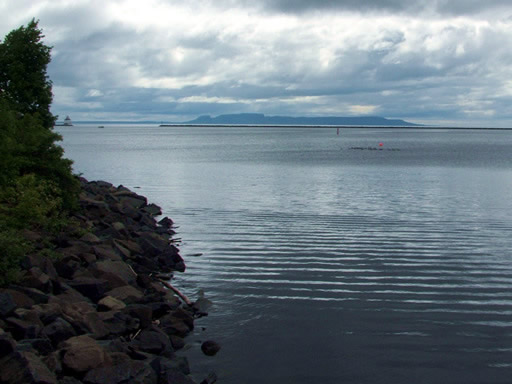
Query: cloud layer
point(443, 62)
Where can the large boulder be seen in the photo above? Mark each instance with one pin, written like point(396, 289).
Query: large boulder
point(58, 331)
point(90, 287)
point(25, 368)
point(118, 269)
point(7, 303)
point(82, 353)
point(153, 340)
point(126, 294)
point(20, 300)
point(125, 372)
point(210, 348)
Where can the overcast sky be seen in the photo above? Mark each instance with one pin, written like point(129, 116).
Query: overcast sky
point(425, 61)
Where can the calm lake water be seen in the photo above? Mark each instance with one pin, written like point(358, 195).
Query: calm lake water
point(328, 264)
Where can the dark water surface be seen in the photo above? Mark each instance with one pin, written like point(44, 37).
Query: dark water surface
point(328, 264)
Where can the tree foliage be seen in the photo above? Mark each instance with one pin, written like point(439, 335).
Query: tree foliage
point(24, 82)
point(37, 186)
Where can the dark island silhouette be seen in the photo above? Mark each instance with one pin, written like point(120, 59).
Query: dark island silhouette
point(259, 119)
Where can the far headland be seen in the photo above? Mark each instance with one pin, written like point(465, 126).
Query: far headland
point(259, 119)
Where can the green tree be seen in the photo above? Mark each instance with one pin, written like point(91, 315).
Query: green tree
point(37, 186)
point(24, 82)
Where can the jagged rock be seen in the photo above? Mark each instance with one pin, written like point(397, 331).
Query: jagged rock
point(106, 252)
point(127, 294)
point(35, 278)
point(84, 318)
point(144, 280)
point(135, 318)
point(25, 368)
point(7, 344)
point(92, 288)
point(177, 342)
point(88, 258)
point(69, 380)
point(90, 238)
point(119, 269)
point(170, 258)
point(152, 244)
point(210, 379)
point(161, 364)
point(41, 262)
point(67, 266)
point(119, 323)
point(35, 294)
point(131, 212)
point(166, 222)
point(153, 340)
point(82, 353)
point(22, 329)
point(124, 253)
point(153, 209)
point(20, 299)
point(210, 348)
point(7, 303)
point(126, 372)
point(175, 376)
point(58, 331)
point(109, 303)
point(130, 245)
point(142, 312)
point(70, 295)
point(48, 312)
point(42, 346)
point(174, 326)
point(53, 362)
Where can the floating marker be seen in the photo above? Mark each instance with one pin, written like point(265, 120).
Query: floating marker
point(381, 144)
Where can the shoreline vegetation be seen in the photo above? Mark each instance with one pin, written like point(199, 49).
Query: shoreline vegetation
point(96, 307)
point(85, 268)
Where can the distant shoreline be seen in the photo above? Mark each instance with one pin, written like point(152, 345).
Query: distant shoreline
point(331, 126)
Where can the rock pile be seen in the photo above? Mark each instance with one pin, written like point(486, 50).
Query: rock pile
point(95, 306)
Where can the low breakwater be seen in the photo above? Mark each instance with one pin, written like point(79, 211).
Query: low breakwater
point(99, 307)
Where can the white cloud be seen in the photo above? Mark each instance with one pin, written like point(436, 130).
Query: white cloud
point(395, 58)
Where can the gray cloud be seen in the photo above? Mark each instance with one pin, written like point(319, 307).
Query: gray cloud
point(447, 7)
point(429, 61)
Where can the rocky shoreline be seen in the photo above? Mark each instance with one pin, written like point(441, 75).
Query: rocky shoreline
point(97, 306)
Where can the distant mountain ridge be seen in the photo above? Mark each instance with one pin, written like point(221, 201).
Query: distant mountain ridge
point(261, 119)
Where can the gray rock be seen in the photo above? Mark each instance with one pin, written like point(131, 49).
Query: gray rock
point(127, 294)
point(22, 329)
point(35, 294)
point(82, 353)
point(126, 372)
point(7, 344)
point(20, 299)
point(42, 346)
point(210, 348)
point(142, 312)
point(35, 278)
point(58, 331)
point(119, 323)
point(117, 268)
point(109, 303)
point(153, 341)
point(92, 288)
point(7, 304)
point(25, 368)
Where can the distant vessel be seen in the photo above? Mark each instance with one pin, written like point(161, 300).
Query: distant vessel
point(67, 123)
